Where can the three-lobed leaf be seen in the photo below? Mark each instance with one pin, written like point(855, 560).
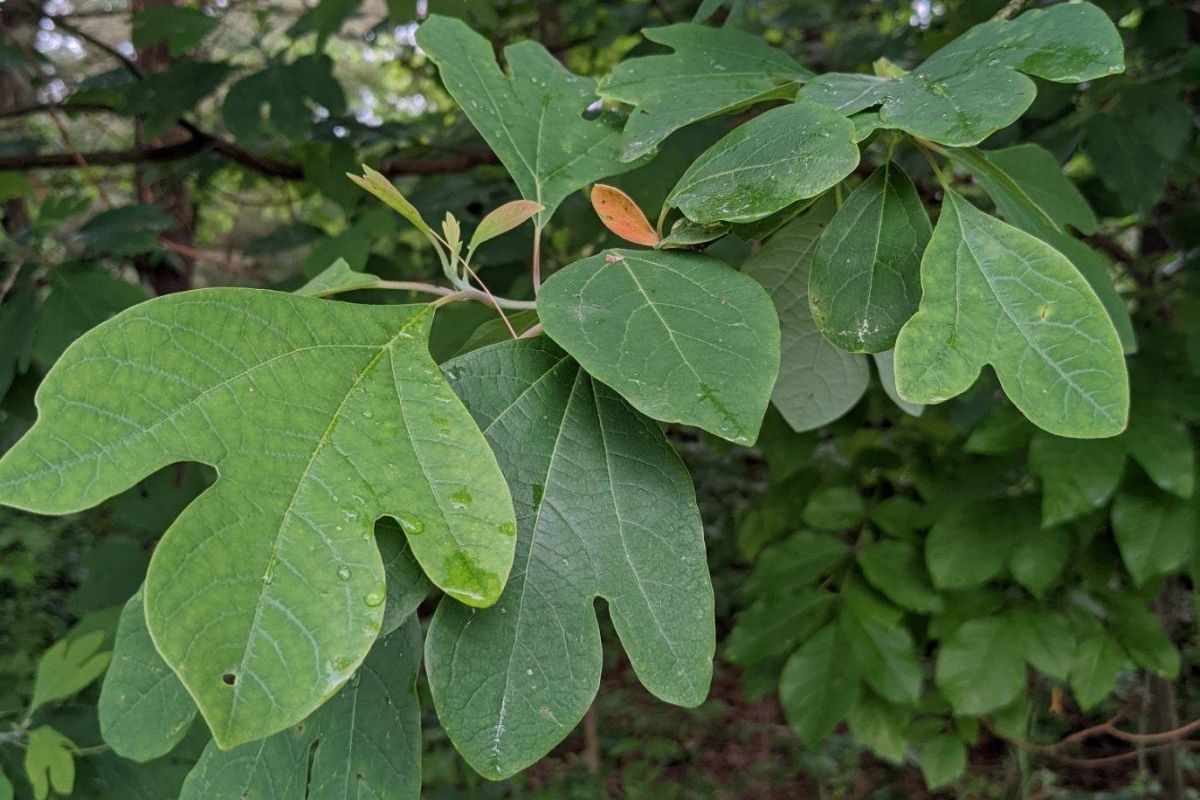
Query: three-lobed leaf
point(712, 71)
point(532, 119)
point(974, 86)
point(682, 336)
point(604, 508)
point(992, 294)
point(267, 591)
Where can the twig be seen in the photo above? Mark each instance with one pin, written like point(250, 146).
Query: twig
point(537, 258)
point(532, 331)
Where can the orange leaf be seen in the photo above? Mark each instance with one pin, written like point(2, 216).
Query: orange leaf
point(621, 215)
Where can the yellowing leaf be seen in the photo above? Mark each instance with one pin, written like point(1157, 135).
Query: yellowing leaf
point(49, 762)
point(502, 220)
point(622, 216)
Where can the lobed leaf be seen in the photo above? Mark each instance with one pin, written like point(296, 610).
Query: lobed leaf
point(993, 294)
point(364, 742)
point(605, 508)
point(320, 417)
point(532, 119)
point(974, 86)
point(711, 71)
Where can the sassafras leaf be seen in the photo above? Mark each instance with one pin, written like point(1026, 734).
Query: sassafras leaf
point(712, 71)
point(532, 118)
point(682, 336)
point(605, 508)
point(320, 417)
point(993, 294)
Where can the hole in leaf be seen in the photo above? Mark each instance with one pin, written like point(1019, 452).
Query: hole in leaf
point(229, 679)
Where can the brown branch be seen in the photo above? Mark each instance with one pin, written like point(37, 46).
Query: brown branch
point(265, 165)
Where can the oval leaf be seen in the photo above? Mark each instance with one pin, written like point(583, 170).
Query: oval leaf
point(787, 154)
point(865, 280)
point(682, 336)
point(622, 216)
point(502, 220)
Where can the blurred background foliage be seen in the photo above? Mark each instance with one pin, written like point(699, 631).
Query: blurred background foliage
point(150, 147)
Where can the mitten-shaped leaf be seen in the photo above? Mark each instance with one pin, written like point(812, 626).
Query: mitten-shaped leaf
point(605, 508)
point(865, 280)
point(320, 417)
point(995, 295)
point(682, 336)
point(975, 86)
point(533, 119)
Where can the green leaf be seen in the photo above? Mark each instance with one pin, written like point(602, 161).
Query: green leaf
point(502, 220)
point(1029, 188)
point(682, 336)
point(865, 280)
point(785, 155)
point(993, 294)
point(1043, 638)
point(1039, 558)
point(835, 508)
point(161, 98)
point(974, 86)
point(181, 27)
point(1012, 721)
point(972, 542)
point(885, 366)
point(79, 300)
point(1078, 475)
point(773, 627)
point(978, 668)
point(1141, 633)
point(880, 726)
point(712, 71)
point(6, 787)
point(49, 762)
point(819, 685)
point(338, 278)
point(800, 560)
point(144, 709)
point(365, 742)
point(281, 94)
point(686, 234)
point(126, 230)
point(605, 508)
point(943, 760)
point(68, 667)
point(1004, 430)
point(897, 569)
point(533, 118)
point(1161, 445)
point(494, 331)
point(320, 417)
point(817, 382)
point(1095, 666)
point(1098, 272)
point(884, 651)
point(1155, 532)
